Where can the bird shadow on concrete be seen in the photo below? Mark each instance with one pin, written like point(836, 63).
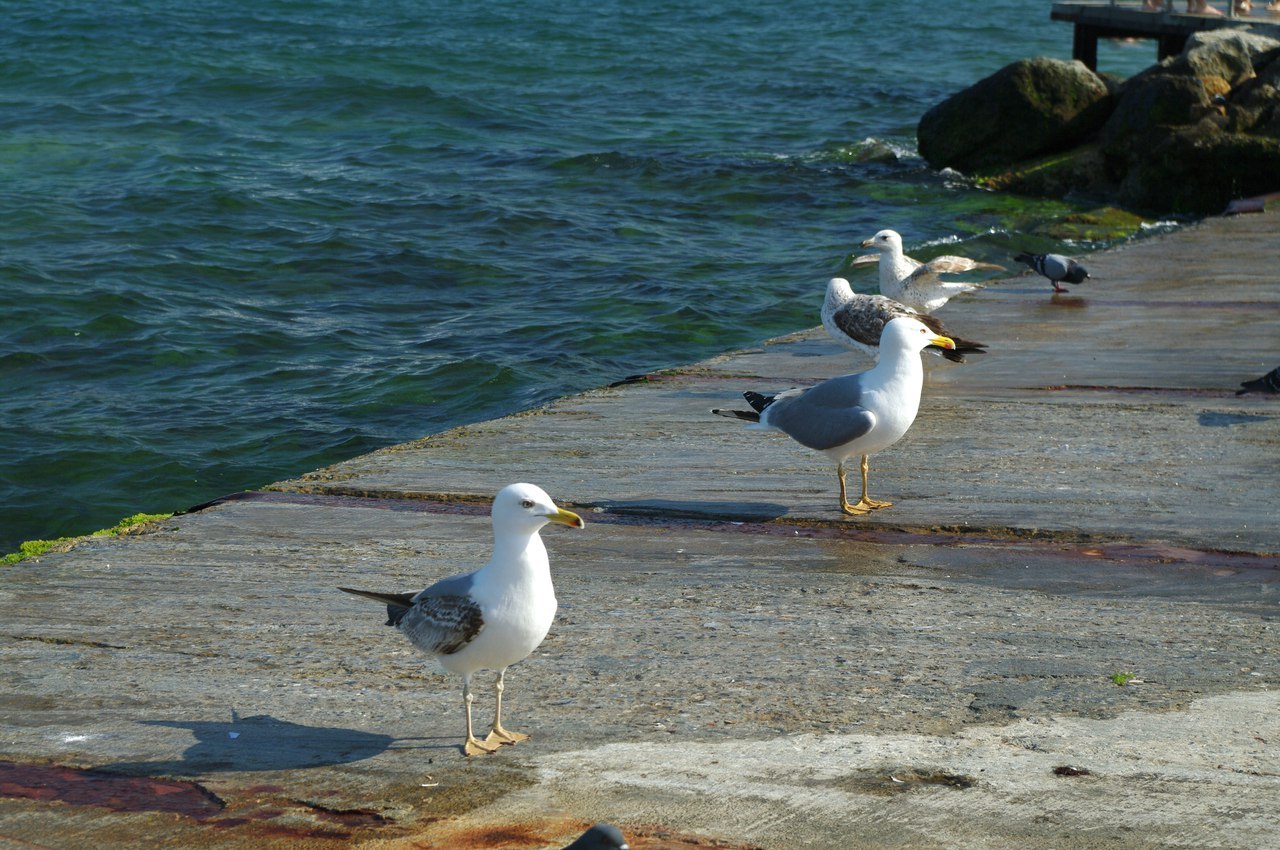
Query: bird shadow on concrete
point(261, 742)
point(677, 510)
point(1212, 419)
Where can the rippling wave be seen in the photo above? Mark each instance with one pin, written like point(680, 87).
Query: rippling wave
point(243, 241)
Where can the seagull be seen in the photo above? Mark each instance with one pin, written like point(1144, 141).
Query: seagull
point(855, 321)
point(602, 836)
point(1268, 383)
point(492, 617)
point(854, 414)
point(1055, 267)
point(914, 283)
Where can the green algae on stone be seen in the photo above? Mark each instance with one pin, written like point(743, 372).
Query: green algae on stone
point(36, 548)
point(1105, 224)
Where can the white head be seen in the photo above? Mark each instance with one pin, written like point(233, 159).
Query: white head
point(885, 240)
point(907, 334)
point(527, 508)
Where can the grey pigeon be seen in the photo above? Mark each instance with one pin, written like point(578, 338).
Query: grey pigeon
point(1268, 383)
point(602, 836)
point(1055, 267)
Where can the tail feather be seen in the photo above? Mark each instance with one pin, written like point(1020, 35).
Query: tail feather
point(758, 402)
point(963, 346)
point(398, 604)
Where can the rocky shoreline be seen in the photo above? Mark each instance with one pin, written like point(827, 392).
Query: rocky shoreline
point(1190, 135)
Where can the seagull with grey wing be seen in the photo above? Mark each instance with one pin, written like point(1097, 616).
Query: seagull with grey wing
point(856, 321)
point(853, 415)
point(493, 617)
point(913, 283)
point(1056, 267)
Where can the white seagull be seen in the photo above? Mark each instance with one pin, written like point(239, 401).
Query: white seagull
point(854, 414)
point(914, 283)
point(491, 618)
point(856, 321)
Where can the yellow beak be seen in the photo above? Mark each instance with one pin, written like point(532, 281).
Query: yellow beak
point(569, 518)
point(943, 342)
point(867, 243)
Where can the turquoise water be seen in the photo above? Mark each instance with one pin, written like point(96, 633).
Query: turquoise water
point(241, 241)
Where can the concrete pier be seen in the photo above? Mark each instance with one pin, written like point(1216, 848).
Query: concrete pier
point(1063, 633)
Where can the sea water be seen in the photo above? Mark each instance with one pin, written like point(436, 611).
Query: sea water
point(239, 241)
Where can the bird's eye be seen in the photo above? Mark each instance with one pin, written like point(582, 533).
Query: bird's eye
point(527, 503)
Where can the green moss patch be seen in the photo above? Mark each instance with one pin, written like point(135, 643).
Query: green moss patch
point(36, 548)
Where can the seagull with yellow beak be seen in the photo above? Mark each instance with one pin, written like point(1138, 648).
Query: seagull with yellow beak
point(491, 618)
point(853, 415)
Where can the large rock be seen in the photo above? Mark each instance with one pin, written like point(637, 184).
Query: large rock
point(1227, 54)
point(1200, 169)
point(1160, 99)
point(1030, 108)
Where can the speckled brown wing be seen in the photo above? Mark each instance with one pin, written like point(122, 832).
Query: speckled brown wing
point(863, 319)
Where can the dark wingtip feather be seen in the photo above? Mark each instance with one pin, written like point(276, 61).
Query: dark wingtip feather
point(745, 415)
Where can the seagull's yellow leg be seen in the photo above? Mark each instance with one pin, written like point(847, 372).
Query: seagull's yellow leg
point(473, 746)
point(867, 500)
point(855, 510)
point(499, 735)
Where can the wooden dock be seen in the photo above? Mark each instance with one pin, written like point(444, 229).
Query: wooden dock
point(1168, 28)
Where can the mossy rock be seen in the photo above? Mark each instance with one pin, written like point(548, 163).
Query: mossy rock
point(1106, 224)
point(1082, 170)
point(1029, 108)
point(1199, 170)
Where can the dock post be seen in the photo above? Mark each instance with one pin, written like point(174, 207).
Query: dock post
point(1084, 46)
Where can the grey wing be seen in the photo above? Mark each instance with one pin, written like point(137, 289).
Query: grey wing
point(443, 618)
point(824, 416)
point(1055, 266)
point(442, 625)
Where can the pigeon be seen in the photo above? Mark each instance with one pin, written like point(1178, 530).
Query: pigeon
point(1055, 267)
point(602, 836)
point(855, 321)
point(1268, 383)
point(916, 284)
point(492, 617)
point(856, 414)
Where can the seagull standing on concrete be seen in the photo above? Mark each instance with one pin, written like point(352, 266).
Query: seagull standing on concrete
point(916, 284)
point(1055, 267)
point(856, 321)
point(493, 617)
point(855, 414)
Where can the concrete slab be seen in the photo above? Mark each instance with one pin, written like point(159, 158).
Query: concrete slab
point(692, 667)
point(1064, 633)
point(1109, 413)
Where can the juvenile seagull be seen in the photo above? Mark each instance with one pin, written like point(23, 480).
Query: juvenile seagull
point(1055, 267)
point(916, 284)
point(493, 617)
point(855, 414)
point(1268, 383)
point(856, 321)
